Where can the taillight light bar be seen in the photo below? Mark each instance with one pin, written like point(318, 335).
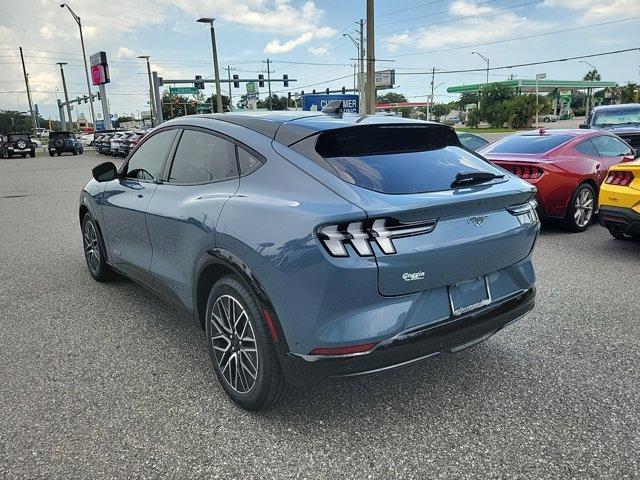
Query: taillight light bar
point(621, 178)
point(360, 234)
point(525, 172)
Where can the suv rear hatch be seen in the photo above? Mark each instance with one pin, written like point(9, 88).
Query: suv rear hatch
point(437, 214)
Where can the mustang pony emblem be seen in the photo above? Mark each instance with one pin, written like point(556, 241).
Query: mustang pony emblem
point(477, 220)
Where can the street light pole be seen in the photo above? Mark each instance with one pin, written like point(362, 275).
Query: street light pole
point(66, 96)
point(486, 60)
point(216, 72)
point(84, 57)
point(151, 100)
point(371, 61)
point(539, 76)
point(588, 105)
point(26, 81)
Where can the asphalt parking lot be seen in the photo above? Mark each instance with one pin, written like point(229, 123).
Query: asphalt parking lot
point(107, 380)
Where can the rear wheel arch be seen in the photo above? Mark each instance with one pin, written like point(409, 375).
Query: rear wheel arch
point(216, 263)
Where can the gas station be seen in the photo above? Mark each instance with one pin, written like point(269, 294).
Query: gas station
point(560, 90)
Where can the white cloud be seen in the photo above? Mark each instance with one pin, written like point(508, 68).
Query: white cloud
point(595, 10)
point(274, 46)
point(318, 50)
point(125, 52)
point(463, 8)
point(394, 43)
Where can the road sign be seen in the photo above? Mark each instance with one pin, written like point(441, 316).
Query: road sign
point(251, 89)
point(318, 102)
point(183, 90)
point(385, 78)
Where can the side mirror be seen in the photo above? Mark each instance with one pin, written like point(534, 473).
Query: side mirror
point(583, 125)
point(105, 172)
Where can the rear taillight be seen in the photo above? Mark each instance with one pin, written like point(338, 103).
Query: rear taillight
point(526, 212)
point(526, 173)
point(620, 178)
point(360, 235)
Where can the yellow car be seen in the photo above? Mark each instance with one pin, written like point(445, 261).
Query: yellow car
point(620, 201)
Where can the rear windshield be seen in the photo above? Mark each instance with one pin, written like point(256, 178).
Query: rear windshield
point(396, 159)
point(60, 135)
point(529, 143)
point(14, 137)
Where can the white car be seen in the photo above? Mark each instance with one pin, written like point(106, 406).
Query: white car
point(87, 139)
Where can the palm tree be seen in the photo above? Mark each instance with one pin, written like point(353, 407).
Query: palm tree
point(592, 75)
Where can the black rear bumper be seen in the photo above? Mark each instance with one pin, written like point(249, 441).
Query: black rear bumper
point(620, 219)
point(451, 335)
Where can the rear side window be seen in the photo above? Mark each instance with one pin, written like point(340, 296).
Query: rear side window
point(148, 161)
point(531, 144)
point(248, 162)
point(610, 146)
point(202, 157)
point(587, 148)
point(397, 159)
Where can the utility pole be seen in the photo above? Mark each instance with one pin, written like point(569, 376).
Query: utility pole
point(86, 68)
point(371, 61)
point(26, 82)
point(66, 96)
point(269, 81)
point(229, 78)
point(430, 104)
point(216, 72)
point(151, 100)
point(361, 81)
point(355, 65)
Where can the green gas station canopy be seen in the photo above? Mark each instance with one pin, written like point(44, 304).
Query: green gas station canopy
point(530, 85)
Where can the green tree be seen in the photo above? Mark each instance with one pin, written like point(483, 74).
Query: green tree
point(277, 103)
point(473, 118)
point(439, 110)
point(467, 98)
point(522, 110)
point(18, 122)
point(629, 93)
point(592, 75)
point(492, 104)
point(391, 97)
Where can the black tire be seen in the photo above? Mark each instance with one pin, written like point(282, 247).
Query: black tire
point(94, 250)
point(74, 151)
point(32, 154)
point(577, 218)
point(546, 120)
point(59, 153)
point(51, 153)
point(269, 385)
point(23, 155)
point(81, 151)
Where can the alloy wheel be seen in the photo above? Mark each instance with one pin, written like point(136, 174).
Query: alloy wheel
point(583, 208)
point(91, 246)
point(234, 344)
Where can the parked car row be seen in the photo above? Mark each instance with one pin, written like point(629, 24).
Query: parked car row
point(117, 143)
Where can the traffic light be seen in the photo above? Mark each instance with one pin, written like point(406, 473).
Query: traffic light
point(198, 85)
point(314, 91)
point(302, 92)
point(289, 95)
point(327, 90)
point(344, 90)
point(261, 80)
point(236, 84)
point(286, 80)
point(85, 98)
point(98, 95)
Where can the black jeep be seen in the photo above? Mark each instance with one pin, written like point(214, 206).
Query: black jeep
point(17, 144)
point(60, 142)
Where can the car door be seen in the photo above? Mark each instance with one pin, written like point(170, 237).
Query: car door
point(612, 150)
point(182, 215)
point(125, 201)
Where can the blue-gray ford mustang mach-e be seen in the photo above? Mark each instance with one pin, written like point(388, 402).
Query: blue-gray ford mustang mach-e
point(312, 245)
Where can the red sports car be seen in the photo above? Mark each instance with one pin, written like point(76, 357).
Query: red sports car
point(567, 167)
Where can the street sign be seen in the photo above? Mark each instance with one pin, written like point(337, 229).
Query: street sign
point(251, 89)
point(183, 90)
point(318, 102)
point(541, 76)
point(385, 78)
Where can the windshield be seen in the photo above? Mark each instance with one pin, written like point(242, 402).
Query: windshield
point(617, 116)
point(529, 144)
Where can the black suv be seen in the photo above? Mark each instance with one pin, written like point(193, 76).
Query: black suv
point(621, 120)
point(17, 144)
point(60, 142)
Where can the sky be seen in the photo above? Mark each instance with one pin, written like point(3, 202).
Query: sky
point(304, 39)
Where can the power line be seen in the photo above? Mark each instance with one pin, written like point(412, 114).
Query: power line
point(441, 12)
point(409, 8)
point(512, 7)
point(536, 35)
